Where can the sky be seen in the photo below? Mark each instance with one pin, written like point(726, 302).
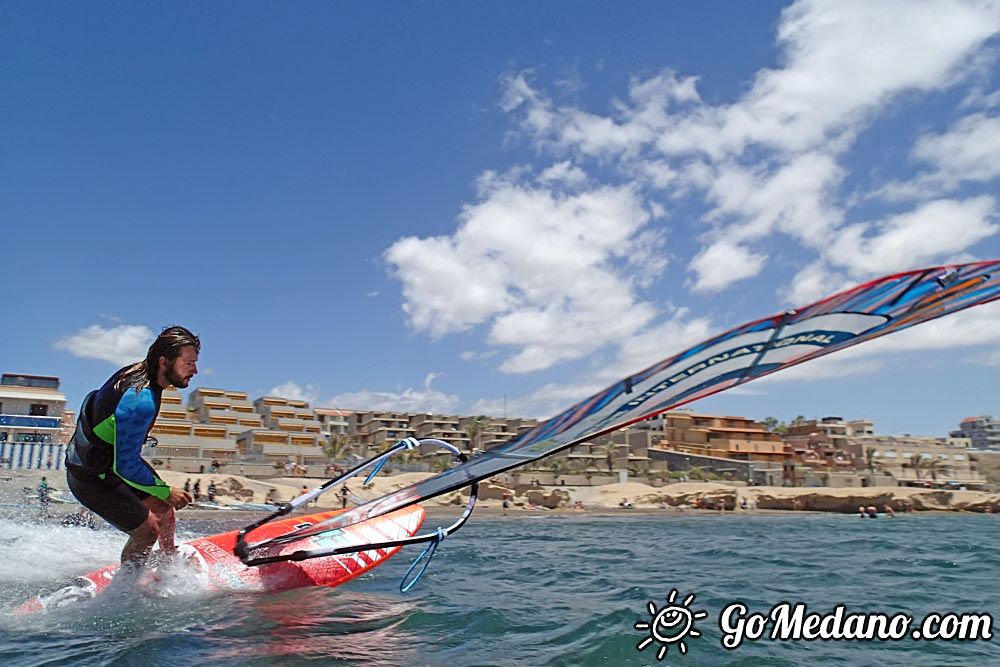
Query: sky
point(495, 208)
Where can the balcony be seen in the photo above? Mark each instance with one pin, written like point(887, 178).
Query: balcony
point(23, 421)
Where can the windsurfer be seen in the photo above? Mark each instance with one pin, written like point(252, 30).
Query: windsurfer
point(104, 466)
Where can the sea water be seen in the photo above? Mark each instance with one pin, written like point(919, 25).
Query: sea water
point(535, 590)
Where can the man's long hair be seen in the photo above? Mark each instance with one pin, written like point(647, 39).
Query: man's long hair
point(168, 344)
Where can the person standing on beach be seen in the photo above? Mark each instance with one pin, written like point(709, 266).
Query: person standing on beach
point(104, 467)
point(43, 494)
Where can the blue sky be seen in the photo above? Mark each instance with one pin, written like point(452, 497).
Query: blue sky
point(458, 207)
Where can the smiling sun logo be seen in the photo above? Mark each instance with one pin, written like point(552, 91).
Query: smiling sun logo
point(670, 625)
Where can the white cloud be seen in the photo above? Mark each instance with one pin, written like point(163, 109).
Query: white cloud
point(909, 240)
point(563, 172)
point(123, 344)
point(978, 98)
point(793, 199)
point(296, 392)
point(969, 151)
point(844, 60)
point(812, 283)
point(474, 355)
point(425, 399)
point(547, 272)
point(723, 263)
point(569, 128)
point(988, 359)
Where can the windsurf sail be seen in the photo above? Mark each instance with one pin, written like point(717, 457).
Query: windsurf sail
point(745, 353)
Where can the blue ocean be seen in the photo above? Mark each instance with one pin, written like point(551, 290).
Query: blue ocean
point(535, 590)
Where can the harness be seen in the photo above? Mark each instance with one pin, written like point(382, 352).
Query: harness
point(88, 457)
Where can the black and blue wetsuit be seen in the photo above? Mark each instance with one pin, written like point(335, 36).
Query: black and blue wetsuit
point(104, 466)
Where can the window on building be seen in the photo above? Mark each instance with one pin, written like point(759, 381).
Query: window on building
point(38, 410)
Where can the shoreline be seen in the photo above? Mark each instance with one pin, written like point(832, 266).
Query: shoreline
point(680, 499)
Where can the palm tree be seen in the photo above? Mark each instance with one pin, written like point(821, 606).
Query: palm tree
point(559, 467)
point(933, 466)
point(917, 463)
point(870, 460)
point(339, 445)
point(475, 432)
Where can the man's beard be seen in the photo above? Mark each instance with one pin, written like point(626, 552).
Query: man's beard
point(176, 380)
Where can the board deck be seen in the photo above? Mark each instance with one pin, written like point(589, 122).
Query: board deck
point(212, 562)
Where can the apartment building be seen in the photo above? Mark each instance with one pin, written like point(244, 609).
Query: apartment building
point(376, 430)
point(920, 461)
point(983, 432)
point(289, 433)
point(333, 421)
point(737, 438)
point(826, 444)
point(182, 433)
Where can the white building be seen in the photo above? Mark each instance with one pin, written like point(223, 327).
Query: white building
point(983, 432)
point(32, 410)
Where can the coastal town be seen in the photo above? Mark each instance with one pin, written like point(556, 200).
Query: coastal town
point(264, 450)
